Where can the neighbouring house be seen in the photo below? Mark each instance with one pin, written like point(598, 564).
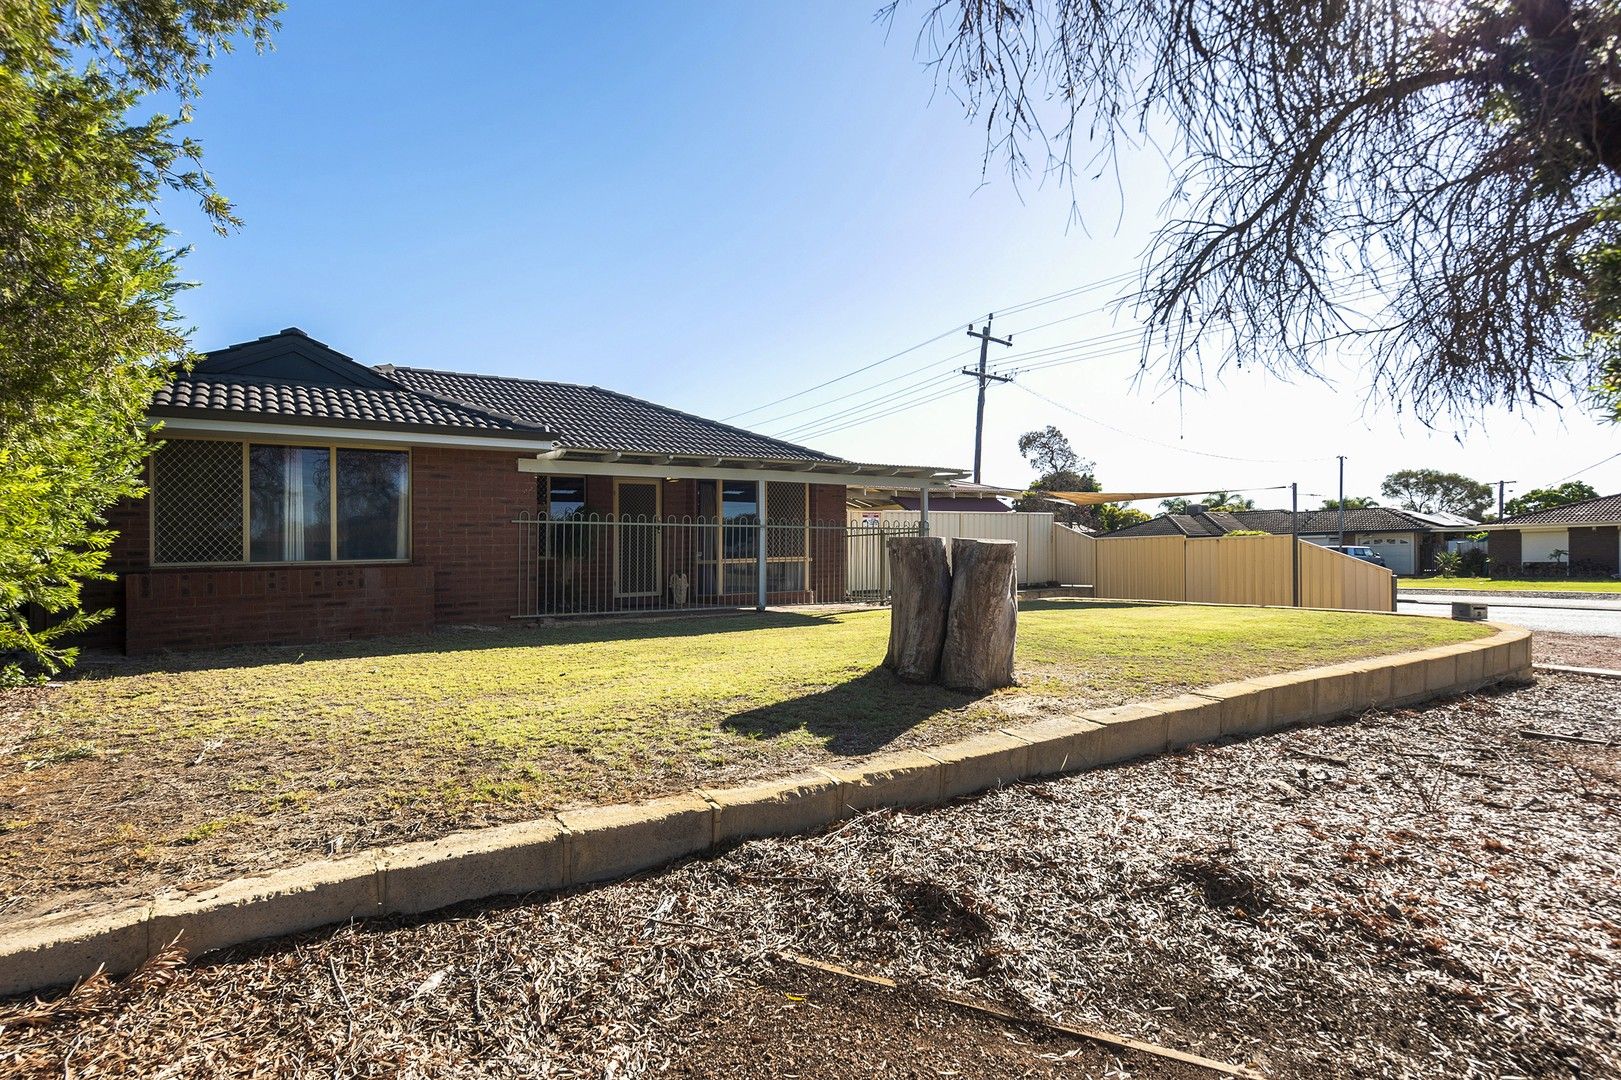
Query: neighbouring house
point(299, 495)
point(1588, 532)
point(1406, 539)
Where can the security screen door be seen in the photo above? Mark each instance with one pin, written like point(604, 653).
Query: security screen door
point(636, 568)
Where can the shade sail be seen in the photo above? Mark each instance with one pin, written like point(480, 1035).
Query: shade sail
point(1098, 498)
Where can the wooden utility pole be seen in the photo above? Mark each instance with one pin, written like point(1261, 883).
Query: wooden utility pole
point(985, 339)
point(1501, 485)
point(1342, 504)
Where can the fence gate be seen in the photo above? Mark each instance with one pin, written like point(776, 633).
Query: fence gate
point(589, 564)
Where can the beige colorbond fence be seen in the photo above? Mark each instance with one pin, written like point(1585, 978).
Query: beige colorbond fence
point(1032, 532)
point(1224, 570)
point(1074, 556)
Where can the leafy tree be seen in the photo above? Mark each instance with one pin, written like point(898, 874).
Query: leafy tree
point(1049, 452)
point(1247, 532)
point(1549, 497)
point(1220, 501)
point(1431, 491)
point(1061, 469)
point(87, 277)
point(1112, 516)
point(1440, 183)
point(1351, 502)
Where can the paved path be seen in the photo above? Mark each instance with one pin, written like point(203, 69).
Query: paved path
point(1547, 615)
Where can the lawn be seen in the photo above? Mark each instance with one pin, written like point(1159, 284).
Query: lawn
point(181, 771)
point(1482, 584)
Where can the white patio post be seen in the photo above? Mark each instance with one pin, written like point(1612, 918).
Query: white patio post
point(923, 510)
point(759, 503)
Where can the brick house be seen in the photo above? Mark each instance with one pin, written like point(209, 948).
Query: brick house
point(300, 496)
point(1588, 532)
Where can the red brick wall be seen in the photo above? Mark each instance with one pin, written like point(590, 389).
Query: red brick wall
point(829, 549)
point(463, 503)
point(464, 567)
point(284, 605)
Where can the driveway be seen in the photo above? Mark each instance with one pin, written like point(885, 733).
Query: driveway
point(1600, 618)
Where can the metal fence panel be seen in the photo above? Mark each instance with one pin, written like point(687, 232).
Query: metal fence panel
point(602, 564)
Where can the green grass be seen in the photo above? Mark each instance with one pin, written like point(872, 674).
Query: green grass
point(544, 713)
point(248, 758)
point(1481, 584)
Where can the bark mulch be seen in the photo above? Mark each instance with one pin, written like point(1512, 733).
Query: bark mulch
point(1419, 893)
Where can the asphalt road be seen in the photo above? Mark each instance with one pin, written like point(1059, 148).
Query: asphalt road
point(1586, 617)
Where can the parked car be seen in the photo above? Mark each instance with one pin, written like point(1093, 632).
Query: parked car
point(1358, 551)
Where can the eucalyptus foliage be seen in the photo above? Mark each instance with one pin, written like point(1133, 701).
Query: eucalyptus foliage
point(1434, 188)
point(88, 279)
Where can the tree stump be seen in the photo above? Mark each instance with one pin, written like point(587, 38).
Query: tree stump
point(983, 617)
point(920, 594)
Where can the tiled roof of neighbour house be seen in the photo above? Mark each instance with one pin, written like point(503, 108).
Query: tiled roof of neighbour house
point(1604, 510)
point(1278, 522)
point(591, 418)
point(290, 377)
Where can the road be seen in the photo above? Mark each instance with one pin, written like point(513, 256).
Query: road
point(1590, 617)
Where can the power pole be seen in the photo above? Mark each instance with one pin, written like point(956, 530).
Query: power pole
point(985, 339)
point(1342, 503)
point(1501, 484)
point(1294, 541)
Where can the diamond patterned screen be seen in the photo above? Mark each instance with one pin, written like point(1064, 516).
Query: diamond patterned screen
point(785, 505)
point(197, 502)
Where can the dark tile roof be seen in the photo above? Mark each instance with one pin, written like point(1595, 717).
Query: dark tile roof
point(328, 404)
point(591, 418)
point(1277, 522)
point(1604, 510)
point(294, 378)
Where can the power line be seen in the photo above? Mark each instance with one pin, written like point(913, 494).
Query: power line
point(1164, 445)
point(798, 431)
point(888, 411)
point(1027, 305)
point(1589, 468)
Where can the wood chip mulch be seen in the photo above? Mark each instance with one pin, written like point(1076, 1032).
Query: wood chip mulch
point(1423, 893)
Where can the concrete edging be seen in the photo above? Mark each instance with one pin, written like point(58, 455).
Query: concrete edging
point(578, 847)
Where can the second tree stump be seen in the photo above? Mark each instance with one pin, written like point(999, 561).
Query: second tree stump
point(982, 620)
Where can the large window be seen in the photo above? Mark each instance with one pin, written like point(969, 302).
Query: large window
point(727, 554)
point(232, 502)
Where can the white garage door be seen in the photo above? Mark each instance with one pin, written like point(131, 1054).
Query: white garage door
point(1397, 549)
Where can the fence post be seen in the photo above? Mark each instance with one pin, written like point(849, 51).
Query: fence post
point(759, 503)
point(923, 510)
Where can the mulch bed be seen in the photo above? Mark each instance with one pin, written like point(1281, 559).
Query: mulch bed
point(1418, 893)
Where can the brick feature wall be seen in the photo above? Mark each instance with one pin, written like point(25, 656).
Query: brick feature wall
point(199, 609)
point(1596, 549)
point(1503, 549)
point(463, 503)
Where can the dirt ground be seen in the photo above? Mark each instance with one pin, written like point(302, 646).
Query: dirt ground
point(1576, 650)
point(1419, 893)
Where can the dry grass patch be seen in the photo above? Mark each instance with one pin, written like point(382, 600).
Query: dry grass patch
point(180, 771)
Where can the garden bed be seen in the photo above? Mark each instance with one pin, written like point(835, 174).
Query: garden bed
point(174, 774)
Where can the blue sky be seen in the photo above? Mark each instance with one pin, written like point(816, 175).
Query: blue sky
point(717, 206)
